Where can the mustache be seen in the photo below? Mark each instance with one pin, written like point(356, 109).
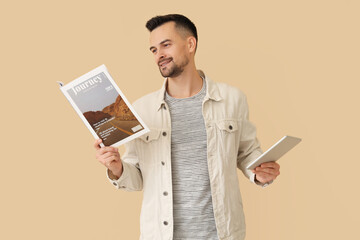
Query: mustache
point(164, 60)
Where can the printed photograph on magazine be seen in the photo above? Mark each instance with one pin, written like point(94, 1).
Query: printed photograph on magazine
point(103, 108)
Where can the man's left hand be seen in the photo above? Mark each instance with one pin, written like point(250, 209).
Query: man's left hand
point(267, 172)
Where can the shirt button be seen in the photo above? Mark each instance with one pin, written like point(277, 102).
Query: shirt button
point(163, 163)
point(165, 193)
point(147, 138)
point(230, 127)
point(166, 223)
point(164, 134)
point(115, 183)
point(164, 107)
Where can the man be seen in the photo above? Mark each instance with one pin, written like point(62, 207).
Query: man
point(200, 134)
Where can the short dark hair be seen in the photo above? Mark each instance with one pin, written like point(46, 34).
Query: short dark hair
point(180, 22)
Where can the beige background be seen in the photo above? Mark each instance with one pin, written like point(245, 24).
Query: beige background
point(297, 61)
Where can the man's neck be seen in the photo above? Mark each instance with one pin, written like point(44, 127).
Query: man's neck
point(187, 84)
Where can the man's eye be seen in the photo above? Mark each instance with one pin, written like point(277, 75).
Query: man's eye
point(153, 51)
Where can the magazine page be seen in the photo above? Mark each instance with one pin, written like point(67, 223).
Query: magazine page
point(103, 107)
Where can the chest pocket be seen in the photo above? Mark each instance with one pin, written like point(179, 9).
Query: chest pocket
point(153, 135)
point(228, 134)
point(229, 126)
point(149, 148)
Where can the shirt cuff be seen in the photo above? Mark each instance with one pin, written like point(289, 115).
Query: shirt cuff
point(117, 182)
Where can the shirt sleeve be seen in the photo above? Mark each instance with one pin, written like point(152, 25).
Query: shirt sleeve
point(249, 146)
point(131, 177)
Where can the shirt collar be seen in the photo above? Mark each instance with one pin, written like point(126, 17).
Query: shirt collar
point(212, 91)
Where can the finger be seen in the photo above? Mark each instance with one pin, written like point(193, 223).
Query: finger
point(106, 152)
point(97, 143)
point(270, 165)
point(107, 149)
point(109, 160)
point(267, 176)
point(267, 170)
point(105, 161)
point(101, 155)
point(101, 160)
point(109, 154)
point(264, 177)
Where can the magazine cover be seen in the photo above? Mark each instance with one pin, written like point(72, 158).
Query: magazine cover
point(103, 107)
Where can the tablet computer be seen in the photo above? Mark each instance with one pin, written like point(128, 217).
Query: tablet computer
point(276, 151)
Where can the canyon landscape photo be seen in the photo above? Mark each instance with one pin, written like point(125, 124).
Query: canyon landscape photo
point(114, 122)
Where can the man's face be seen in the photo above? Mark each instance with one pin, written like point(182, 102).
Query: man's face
point(169, 49)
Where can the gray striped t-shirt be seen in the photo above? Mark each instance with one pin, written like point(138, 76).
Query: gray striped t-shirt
point(192, 204)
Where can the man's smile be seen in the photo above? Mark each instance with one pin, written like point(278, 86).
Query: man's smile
point(163, 63)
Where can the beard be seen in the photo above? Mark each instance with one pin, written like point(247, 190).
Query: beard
point(175, 69)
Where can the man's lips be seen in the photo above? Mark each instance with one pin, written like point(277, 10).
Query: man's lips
point(164, 62)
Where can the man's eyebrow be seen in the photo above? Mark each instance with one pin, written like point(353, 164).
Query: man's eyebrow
point(162, 42)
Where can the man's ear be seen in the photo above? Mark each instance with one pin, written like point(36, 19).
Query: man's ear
point(191, 42)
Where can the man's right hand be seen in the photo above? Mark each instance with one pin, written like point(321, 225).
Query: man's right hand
point(109, 157)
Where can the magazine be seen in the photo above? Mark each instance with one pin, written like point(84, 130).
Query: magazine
point(103, 108)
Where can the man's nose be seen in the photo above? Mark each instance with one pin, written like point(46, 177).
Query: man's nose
point(160, 56)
